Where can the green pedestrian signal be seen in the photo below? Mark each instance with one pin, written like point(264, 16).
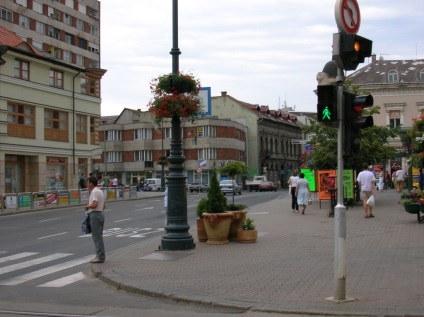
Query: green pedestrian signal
point(327, 104)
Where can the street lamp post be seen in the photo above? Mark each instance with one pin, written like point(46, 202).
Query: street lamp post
point(176, 235)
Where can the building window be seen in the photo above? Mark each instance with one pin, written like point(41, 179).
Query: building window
point(93, 48)
point(94, 128)
point(113, 135)
point(37, 7)
point(94, 30)
point(207, 154)
point(67, 19)
point(90, 86)
point(206, 131)
point(82, 8)
point(20, 120)
point(80, 60)
point(81, 127)
point(37, 44)
point(40, 27)
point(92, 12)
point(80, 25)
point(69, 3)
point(56, 78)
point(393, 76)
point(53, 32)
point(394, 118)
point(69, 38)
point(143, 155)
point(24, 21)
point(21, 69)
point(112, 157)
point(55, 125)
point(22, 2)
point(6, 15)
point(422, 74)
point(82, 43)
point(143, 134)
point(67, 56)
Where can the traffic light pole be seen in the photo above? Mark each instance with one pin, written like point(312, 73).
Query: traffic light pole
point(340, 209)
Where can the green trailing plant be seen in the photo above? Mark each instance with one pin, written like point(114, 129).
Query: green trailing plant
point(234, 207)
point(248, 224)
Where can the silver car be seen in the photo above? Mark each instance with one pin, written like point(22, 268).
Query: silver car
point(230, 186)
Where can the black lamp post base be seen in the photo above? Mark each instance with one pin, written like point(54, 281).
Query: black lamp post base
point(177, 244)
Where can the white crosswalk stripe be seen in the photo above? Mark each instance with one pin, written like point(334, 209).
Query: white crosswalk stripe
point(28, 264)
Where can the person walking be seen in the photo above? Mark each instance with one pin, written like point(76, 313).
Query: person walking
point(96, 206)
point(302, 192)
point(106, 181)
point(400, 177)
point(366, 184)
point(381, 181)
point(421, 179)
point(292, 182)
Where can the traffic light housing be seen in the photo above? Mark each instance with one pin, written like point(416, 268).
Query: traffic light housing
point(354, 121)
point(349, 50)
point(327, 104)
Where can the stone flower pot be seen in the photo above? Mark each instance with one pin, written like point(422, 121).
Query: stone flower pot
point(217, 227)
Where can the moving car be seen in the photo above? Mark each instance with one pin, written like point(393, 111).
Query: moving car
point(267, 186)
point(230, 186)
point(198, 187)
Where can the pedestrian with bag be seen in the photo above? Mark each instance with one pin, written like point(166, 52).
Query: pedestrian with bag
point(367, 185)
point(292, 182)
point(302, 192)
point(96, 206)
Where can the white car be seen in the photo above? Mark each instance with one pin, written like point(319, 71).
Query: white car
point(230, 186)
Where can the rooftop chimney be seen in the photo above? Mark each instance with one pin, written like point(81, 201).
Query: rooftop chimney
point(373, 58)
point(223, 93)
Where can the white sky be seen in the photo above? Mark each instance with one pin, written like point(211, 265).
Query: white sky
point(261, 52)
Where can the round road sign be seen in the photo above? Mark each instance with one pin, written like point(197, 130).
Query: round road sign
point(348, 16)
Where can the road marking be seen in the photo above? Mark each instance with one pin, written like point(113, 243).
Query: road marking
point(49, 219)
point(16, 256)
point(49, 270)
point(123, 220)
point(64, 280)
point(144, 208)
point(53, 235)
point(191, 206)
point(23, 265)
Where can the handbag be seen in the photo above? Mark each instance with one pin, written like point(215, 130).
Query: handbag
point(371, 201)
point(310, 200)
point(86, 226)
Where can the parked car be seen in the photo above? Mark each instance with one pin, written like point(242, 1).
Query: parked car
point(198, 187)
point(267, 186)
point(230, 186)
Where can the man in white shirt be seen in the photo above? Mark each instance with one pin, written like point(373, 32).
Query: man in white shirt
point(400, 177)
point(95, 207)
point(366, 184)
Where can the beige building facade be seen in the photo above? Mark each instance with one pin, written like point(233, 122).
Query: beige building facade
point(49, 119)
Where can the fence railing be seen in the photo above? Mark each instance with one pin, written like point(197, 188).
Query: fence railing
point(33, 200)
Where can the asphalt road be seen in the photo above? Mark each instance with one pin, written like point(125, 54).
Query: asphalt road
point(44, 260)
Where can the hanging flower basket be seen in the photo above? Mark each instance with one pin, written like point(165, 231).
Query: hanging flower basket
point(175, 95)
point(179, 83)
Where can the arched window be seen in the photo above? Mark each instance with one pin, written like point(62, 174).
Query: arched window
point(422, 74)
point(393, 76)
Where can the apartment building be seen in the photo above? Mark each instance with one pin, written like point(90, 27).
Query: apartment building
point(67, 30)
point(49, 118)
point(133, 146)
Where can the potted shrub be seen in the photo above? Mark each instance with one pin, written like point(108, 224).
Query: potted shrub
point(200, 209)
point(248, 232)
point(217, 220)
point(239, 216)
point(413, 202)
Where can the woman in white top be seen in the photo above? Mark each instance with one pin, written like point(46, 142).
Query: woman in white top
point(293, 183)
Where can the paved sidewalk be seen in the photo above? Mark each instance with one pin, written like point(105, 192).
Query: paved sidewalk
point(291, 267)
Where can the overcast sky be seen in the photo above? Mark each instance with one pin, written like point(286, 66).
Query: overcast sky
point(264, 52)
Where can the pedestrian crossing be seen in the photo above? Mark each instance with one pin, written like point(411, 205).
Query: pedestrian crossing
point(30, 267)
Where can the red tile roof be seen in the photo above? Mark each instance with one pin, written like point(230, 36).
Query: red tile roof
point(8, 38)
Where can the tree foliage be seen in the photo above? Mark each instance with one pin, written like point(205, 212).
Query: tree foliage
point(233, 169)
